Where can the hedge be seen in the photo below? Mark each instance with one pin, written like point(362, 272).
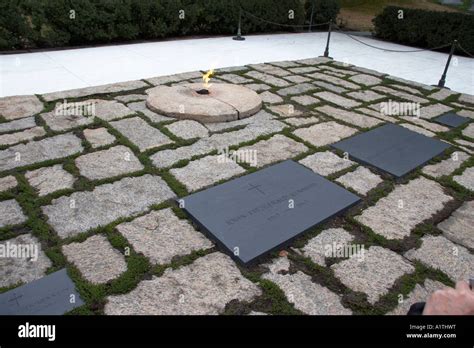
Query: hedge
point(425, 29)
point(26, 24)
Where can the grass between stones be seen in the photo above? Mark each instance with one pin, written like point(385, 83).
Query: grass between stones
point(273, 299)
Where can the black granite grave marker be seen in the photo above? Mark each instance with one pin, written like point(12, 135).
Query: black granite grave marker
point(392, 148)
point(254, 214)
point(451, 120)
point(50, 295)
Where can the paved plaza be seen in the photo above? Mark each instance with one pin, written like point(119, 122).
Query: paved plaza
point(55, 70)
point(100, 195)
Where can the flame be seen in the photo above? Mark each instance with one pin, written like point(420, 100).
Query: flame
point(207, 77)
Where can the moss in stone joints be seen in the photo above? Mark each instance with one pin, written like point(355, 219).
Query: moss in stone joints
point(174, 184)
point(8, 288)
point(273, 300)
point(93, 295)
point(180, 261)
point(406, 284)
point(336, 175)
point(36, 220)
point(137, 266)
point(101, 96)
point(288, 132)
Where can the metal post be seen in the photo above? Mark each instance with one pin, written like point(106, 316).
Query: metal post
point(326, 51)
point(311, 18)
point(442, 81)
point(239, 36)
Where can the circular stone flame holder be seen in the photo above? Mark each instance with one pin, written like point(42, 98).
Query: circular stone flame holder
point(220, 102)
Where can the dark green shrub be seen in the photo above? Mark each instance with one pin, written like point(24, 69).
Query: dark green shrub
point(323, 11)
point(53, 23)
point(425, 28)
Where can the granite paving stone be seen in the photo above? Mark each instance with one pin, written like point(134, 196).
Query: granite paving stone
point(141, 133)
point(337, 99)
point(275, 149)
point(98, 137)
point(16, 125)
point(347, 116)
point(131, 97)
point(96, 259)
point(307, 296)
point(20, 106)
point(202, 288)
point(11, 213)
point(207, 171)
point(301, 121)
point(232, 78)
point(330, 87)
point(81, 211)
point(433, 127)
point(55, 147)
point(188, 129)
point(321, 247)
point(153, 116)
point(300, 88)
point(361, 180)
point(374, 273)
point(104, 89)
point(333, 80)
point(298, 79)
point(417, 129)
point(7, 183)
point(258, 87)
point(458, 227)
point(268, 79)
point(24, 135)
point(447, 166)
point(161, 80)
point(434, 110)
point(270, 69)
point(117, 160)
point(161, 236)
point(286, 110)
point(397, 214)
point(324, 133)
point(469, 131)
point(441, 254)
point(305, 100)
point(50, 179)
point(466, 178)
point(29, 265)
point(366, 96)
point(270, 98)
point(326, 163)
point(366, 80)
point(400, 94)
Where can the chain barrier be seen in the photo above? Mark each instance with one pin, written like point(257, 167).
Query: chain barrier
point(284, 25)
point(352, 36)
point(455, 44)
point(390, 50)
point(465, 51)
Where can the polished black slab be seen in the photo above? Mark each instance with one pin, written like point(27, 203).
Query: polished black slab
point(252, 215)
point(51, 295)
point(392, 149)
point(451, 119)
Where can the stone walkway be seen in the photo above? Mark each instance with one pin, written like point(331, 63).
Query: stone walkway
point(98, 193)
